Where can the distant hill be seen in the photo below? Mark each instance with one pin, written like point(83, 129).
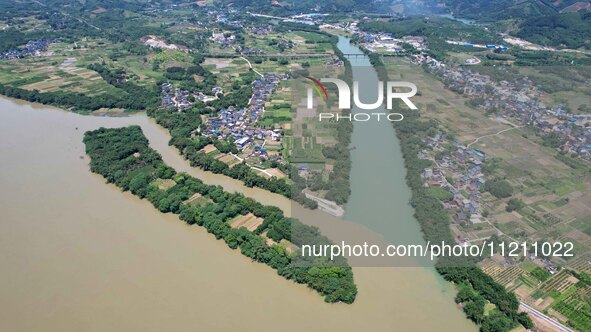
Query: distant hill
point(559, 23)
point(572, 5)
point(500, 9)
point(301, 6)
point(571, 30)
point(492, 10)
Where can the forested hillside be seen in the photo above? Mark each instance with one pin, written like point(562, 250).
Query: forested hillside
point(571, 30)
point(303, 6)
point(565, 24)
point(499, 9)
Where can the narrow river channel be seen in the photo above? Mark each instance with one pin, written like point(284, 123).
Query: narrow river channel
point(379, 194)
point(77, 254)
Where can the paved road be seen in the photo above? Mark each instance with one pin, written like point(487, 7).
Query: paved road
point(545, 318)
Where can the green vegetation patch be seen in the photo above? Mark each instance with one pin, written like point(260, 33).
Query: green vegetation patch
point(306, 150)
point(540, 274)
point(441, 193)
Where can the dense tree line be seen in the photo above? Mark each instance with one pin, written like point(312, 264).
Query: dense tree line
point(338, 185)
point(75, 100)
point(378, 64)
point(124, 158)
point(139, 97)
point(548, 58)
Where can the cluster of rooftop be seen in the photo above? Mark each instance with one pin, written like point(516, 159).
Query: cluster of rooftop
point(486, 46)
point(308, 19)
point(520, 101)
point(240, 124)
point(172, 97)
point(458, 172)
point(350, 27)
point(376, 42)
point(32, 48)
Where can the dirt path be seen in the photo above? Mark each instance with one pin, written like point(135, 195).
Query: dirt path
point(253, 167)
point(250, 66)
point(495, 134)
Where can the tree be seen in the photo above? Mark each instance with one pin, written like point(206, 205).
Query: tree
point(138, 185)
point(524, 319)
point(498, 188)
point(514, 204)
point(465, 293)
point(475, 310)
point(496, 322)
